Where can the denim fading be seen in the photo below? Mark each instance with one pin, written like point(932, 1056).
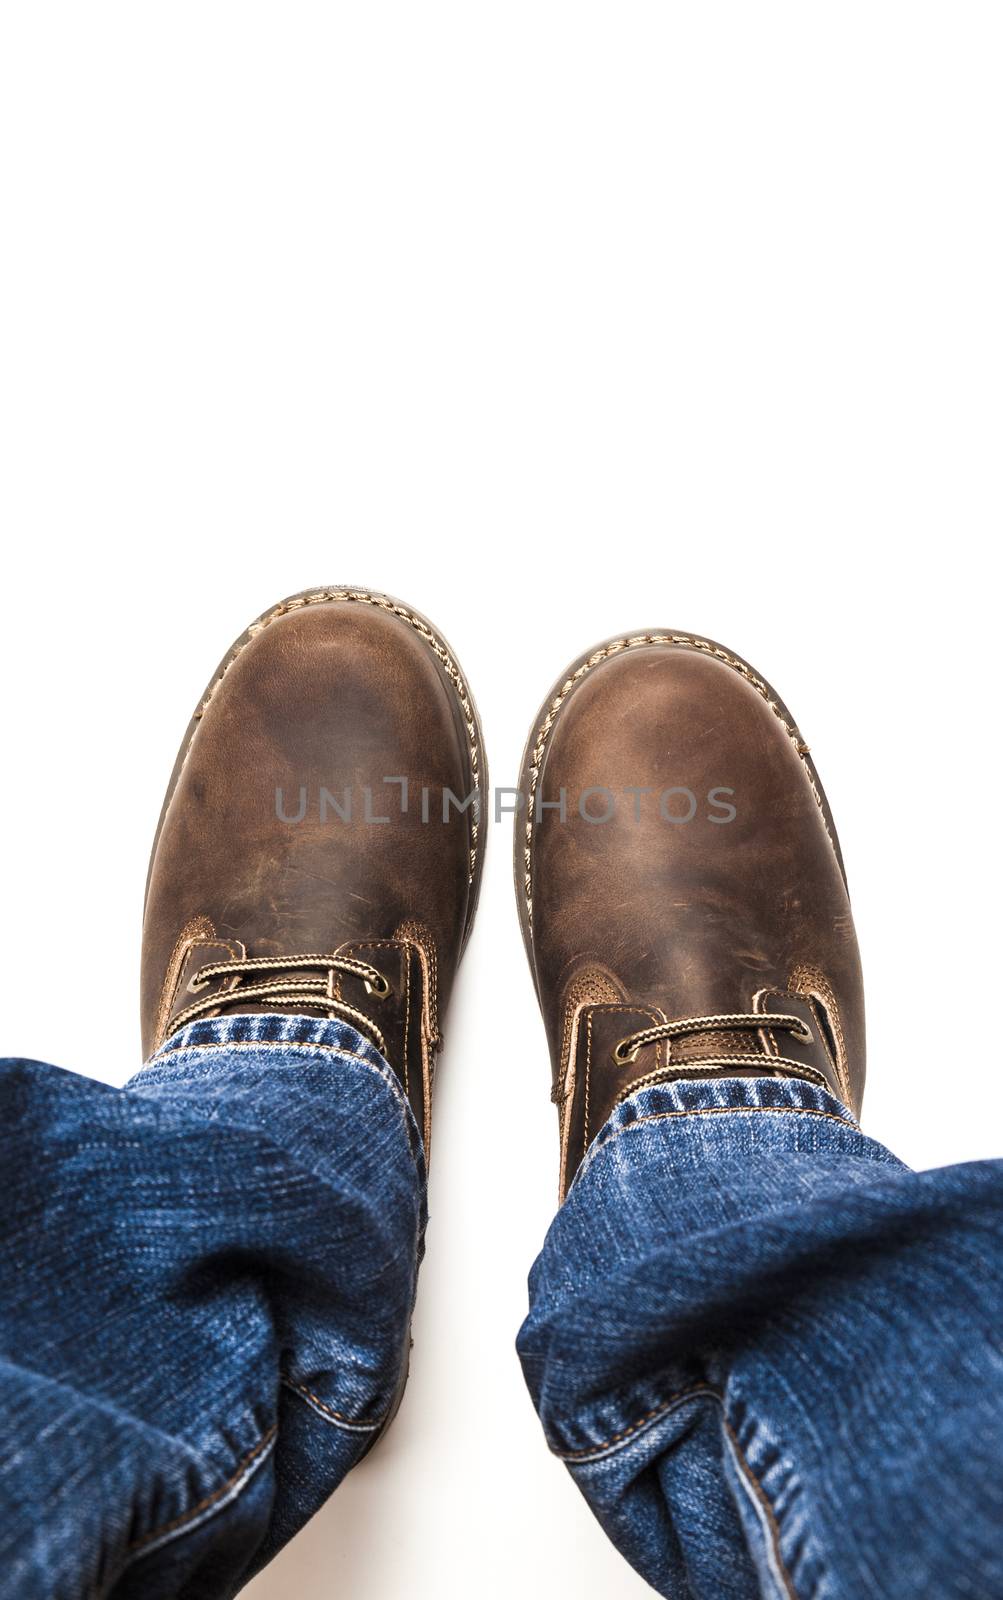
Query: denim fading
point(770, 1354)
point(208, 1281)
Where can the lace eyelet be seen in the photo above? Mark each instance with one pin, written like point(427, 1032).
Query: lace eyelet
point(623, 1057)
point(379, 986)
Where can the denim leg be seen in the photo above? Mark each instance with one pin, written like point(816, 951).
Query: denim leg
point(208, 1278)
point(771, 1355)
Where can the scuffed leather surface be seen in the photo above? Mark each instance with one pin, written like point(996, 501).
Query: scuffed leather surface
point(686, 919)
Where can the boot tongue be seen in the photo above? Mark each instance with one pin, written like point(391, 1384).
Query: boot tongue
point(811, 1051)
point(716, 1042)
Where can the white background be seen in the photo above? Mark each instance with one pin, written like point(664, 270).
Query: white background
point(554, 320)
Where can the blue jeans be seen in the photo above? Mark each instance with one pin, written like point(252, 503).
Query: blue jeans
point(769, 1354)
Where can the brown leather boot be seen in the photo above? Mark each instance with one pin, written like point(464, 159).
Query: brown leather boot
point(302, 862)
point(687, 915)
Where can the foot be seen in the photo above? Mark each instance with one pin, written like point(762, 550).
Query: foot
point(302, 863)
point(687, 916)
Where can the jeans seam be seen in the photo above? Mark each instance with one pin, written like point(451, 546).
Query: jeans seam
point(179, 1525)
point(329, 1413)
point(617, 1440)
point(252, 1459)
point(765, 1505)
point(698, 1391)
point(714, 1111)
point(258, 1044)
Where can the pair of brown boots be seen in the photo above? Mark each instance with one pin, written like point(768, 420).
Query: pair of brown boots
point(679, 880)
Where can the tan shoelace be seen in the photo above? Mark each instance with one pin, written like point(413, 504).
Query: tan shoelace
point(297, 990)
point(731, 1022)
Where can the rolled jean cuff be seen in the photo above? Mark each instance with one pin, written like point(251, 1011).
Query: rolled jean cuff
point(272, 1069)
point(271, 1028)
point(696, 1197)
point(707, 1096)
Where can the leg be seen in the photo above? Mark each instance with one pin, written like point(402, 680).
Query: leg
point(770, 1354)
point(213, 1270)
point(209, 1281)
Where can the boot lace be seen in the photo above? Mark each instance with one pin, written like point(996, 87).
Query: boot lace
point(629, 1048)
point(299, 988)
